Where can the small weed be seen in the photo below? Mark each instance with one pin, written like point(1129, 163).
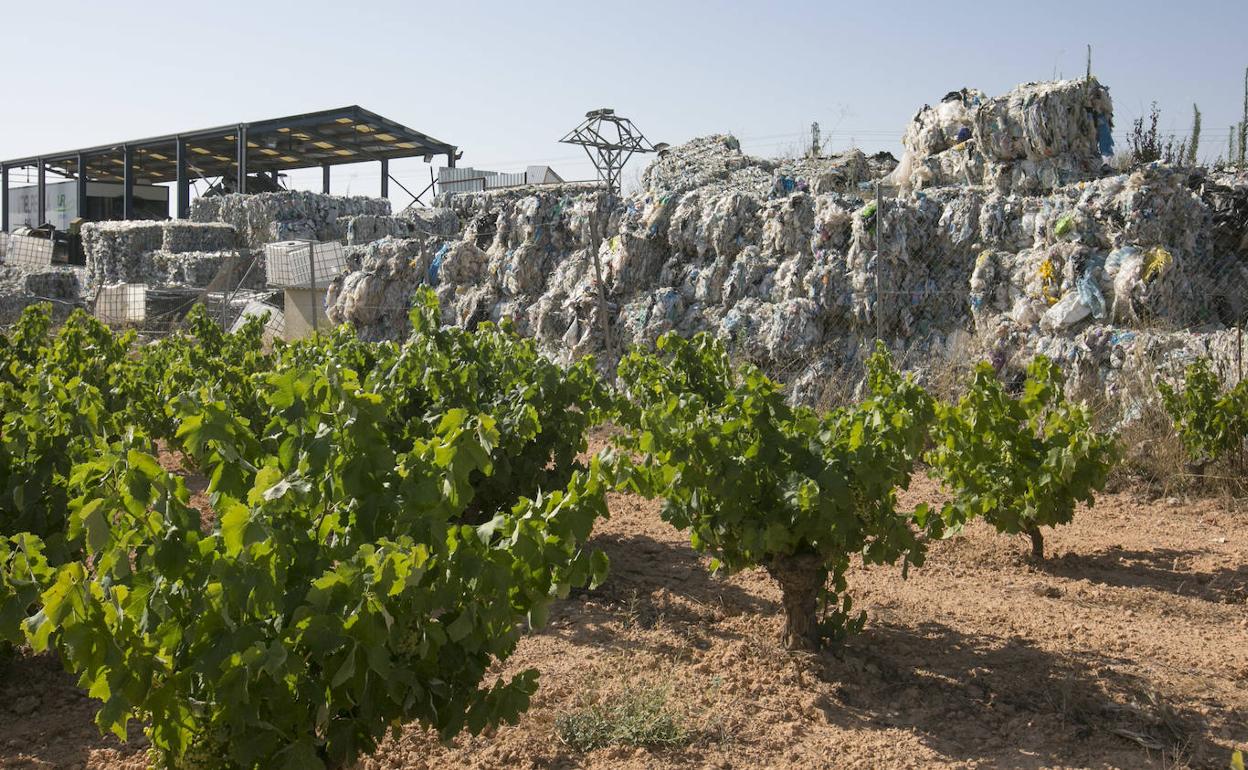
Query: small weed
point(638, 716)
point(638, 611)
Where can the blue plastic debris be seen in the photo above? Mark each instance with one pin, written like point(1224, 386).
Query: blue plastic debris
point(1089, 291)
point(1104, 136)
point(436, 265)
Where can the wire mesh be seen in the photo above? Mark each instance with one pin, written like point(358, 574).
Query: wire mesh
point(303, 264)
point(28, 253)
point(123, 304)
point(274, 326)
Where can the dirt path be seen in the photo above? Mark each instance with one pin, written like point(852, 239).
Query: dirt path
point(1128, 648)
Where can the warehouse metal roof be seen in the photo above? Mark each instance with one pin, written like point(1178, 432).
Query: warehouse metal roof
point(330, 137)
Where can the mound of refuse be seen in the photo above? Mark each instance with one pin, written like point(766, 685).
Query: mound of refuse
point(157, 253)
point(1036, 138)
point(1002, 233)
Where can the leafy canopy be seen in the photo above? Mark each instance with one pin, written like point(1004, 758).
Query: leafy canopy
point(1210, 421)
point(756, 480)
point(1020, 463)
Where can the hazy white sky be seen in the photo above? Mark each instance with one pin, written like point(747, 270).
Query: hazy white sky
point(505, 80)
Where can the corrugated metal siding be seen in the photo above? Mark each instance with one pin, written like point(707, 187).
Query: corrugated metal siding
point(458, 180)
point(505, 180)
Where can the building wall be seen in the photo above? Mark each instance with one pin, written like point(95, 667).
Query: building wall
point(459, 180)
point(61, 200)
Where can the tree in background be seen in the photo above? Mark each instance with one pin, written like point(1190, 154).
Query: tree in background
point(1146, 143)
point(1243, 123)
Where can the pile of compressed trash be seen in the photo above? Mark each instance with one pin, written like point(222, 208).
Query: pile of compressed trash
point(387, 273)
point(1036, 138)
point(156, 253)
point(21, 287)
point(412, 223)
point(1009, 236)
point(285, 216)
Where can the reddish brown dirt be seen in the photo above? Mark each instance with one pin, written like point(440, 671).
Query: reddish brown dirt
point(1127, 648)
point(174, 461)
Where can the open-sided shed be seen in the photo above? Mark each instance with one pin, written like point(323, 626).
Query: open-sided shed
point(232, 152)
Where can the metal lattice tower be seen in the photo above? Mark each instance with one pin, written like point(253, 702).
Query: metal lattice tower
point(609, 141)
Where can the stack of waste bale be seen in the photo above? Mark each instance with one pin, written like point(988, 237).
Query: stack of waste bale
point(1007, 235)
point(375, 298)
point(1038, 137)
point(284, 216)
point(411, 223)
point(120, 252)
point(169, 253)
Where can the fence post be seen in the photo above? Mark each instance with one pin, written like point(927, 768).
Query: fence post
point(879, 263)
point(312, 274)
point(1239, 352)
point(602, 289)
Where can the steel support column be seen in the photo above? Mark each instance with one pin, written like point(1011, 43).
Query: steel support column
point(385, 178)
point(81, 186)
point(325, 179)
point(4, 198)
point(242, 159)
point(41, 190)
point(183, 185)
point(127, 182)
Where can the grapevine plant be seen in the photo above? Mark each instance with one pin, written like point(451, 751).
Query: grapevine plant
point(1020, 463)
point(200, 355)
point(58, 395)
point(1210, 421)
point(542, 411)
point(758, 482)
point(64, 391)
point(360, 565)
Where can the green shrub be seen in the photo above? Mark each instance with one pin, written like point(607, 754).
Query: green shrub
point(1210, 421)
point(1020, 463)
point(758, 482)
point(364, 567)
